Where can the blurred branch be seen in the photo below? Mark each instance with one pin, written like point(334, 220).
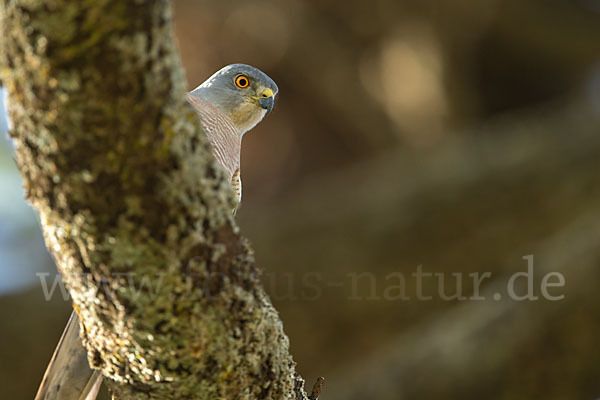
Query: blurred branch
point(476, 339)
point(129, 196)
point(542, 158)
point(559, 32)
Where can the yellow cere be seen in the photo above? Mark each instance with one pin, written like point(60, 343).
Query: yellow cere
point(266, 93)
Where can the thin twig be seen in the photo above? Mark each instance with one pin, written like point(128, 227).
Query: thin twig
point(316, 390)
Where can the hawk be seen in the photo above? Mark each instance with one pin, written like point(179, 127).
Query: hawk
point(230, 103)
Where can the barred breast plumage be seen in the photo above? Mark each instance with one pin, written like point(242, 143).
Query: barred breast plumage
point(224, 138)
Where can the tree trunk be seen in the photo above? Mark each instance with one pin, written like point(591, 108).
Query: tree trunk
point(133, 206)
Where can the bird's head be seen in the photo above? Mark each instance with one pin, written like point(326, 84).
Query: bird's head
point(244, 93)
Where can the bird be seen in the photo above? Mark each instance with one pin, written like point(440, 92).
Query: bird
point(229, 103)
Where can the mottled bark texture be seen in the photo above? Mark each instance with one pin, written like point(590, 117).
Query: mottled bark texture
point(133, 207)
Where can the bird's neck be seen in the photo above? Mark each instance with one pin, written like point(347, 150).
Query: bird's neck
point(244, 116)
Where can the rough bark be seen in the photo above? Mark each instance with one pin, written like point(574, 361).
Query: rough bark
point(128, 193)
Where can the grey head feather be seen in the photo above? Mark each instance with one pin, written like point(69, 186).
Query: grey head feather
point(224, 78)
point(221, 91)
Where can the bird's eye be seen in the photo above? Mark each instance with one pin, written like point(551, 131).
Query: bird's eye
point(241, 81)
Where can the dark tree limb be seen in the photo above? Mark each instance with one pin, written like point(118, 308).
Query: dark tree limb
point(129, 194)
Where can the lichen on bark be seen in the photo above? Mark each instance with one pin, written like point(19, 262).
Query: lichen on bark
point(134, 208)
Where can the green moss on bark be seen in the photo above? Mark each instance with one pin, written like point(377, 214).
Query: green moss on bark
point(128, 194)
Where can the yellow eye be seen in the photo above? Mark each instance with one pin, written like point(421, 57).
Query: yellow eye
point(241, 81)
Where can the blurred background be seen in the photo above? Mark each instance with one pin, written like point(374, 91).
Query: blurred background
point(459, 136)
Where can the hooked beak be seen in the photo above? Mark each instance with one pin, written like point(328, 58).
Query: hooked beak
point(267, 100)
